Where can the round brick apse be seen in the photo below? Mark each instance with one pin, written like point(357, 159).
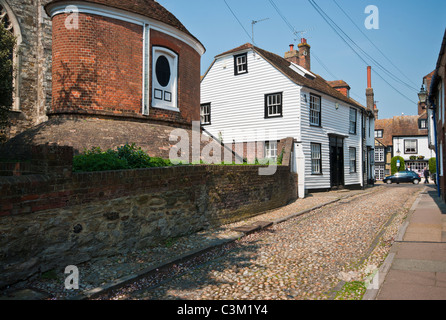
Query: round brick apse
point(98, 69)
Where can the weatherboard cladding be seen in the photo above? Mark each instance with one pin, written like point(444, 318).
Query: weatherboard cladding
point(283, 65)
point(237, 101)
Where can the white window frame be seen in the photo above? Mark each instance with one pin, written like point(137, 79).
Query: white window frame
point(241, 64)
point(163, 98)
point(205, 114)
point(271, 150)
point(379, 133)
point(273, 105)
point(315, 110)
point(353, 121)
point(352, 153)
point(408, 146)
point(379, 154)
point(316, 158)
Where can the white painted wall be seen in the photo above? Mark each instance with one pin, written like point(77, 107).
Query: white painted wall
point(238, 102)
point(422, 143)
point(237, 112)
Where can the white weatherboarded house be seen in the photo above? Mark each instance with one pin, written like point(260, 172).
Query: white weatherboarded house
point(249, 94)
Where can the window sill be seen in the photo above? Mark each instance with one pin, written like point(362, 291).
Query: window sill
point(272, 117)
point(166, 108)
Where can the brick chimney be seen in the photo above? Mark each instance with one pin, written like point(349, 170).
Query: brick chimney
point(370, 96)
point(304, 54)
point(341, 86)
point(300, 57)
point(292, 55)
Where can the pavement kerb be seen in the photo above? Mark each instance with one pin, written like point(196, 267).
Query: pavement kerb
point(372, 293)
point(118, 283)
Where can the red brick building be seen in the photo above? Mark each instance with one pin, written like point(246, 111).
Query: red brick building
point(124, 71)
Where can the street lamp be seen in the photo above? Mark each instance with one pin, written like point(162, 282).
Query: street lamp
point(422, 95)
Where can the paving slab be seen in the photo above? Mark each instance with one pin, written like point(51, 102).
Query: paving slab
point(418, 268)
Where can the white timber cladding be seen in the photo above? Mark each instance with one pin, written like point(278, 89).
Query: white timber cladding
point(238, 101)
point(238, 113)
point(335, 120)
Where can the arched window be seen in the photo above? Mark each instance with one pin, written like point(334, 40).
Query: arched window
point(10, 22)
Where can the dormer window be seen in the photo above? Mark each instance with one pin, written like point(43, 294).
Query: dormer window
point(164, 79)
point(241, 64)
point(422, 124)
point(378, 133)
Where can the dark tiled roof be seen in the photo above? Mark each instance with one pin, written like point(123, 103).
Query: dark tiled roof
point(283, 65)
point(399, 126)
point(147, 8)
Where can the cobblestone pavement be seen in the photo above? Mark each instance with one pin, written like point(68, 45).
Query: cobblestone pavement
point(302, 257)
point(318, 255)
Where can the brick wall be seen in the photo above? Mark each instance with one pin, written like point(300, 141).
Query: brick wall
point(97, 66)
point(56, 218)
point(98, 70)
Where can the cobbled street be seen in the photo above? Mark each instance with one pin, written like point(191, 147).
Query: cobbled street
point(313, 256)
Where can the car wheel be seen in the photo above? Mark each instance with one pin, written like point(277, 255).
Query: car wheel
point(416, 181)
point(389, 181)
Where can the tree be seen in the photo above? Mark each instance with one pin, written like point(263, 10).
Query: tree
point(7, 45)
point(393, 167)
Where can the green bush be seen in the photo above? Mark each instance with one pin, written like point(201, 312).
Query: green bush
point(125, 157)
point(432, 165)
point(393, 166)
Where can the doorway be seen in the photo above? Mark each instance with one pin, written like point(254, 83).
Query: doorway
point(336, 162)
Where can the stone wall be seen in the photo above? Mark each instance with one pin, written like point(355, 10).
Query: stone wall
point(33, 63)
point(57, 218)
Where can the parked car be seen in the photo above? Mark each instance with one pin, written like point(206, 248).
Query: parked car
point(403, 176)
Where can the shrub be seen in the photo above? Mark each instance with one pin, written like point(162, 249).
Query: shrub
point(125, 157)
point(393, 166)
point(432, 165)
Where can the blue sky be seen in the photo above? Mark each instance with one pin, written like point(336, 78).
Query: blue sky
point(410, 35)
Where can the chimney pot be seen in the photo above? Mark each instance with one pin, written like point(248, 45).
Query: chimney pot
point(291, 47)
point(369, 77)
point(303, 40)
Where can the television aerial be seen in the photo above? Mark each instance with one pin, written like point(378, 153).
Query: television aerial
point(254, 22)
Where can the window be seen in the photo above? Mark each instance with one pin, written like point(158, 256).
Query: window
point(379, 172)
point(315, 110)
point(410, 146)
point(378, 133)
point(352, 160)
point(273, 105)
point(353, 120)
point(316, 163)
point(422, 124)
point(241, 64)
point(10, 90)
point(379, 154)
point(205, 113)
point(164, 79)
point(271, 150)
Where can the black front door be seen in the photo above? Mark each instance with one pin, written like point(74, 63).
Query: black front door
point(336, 162)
